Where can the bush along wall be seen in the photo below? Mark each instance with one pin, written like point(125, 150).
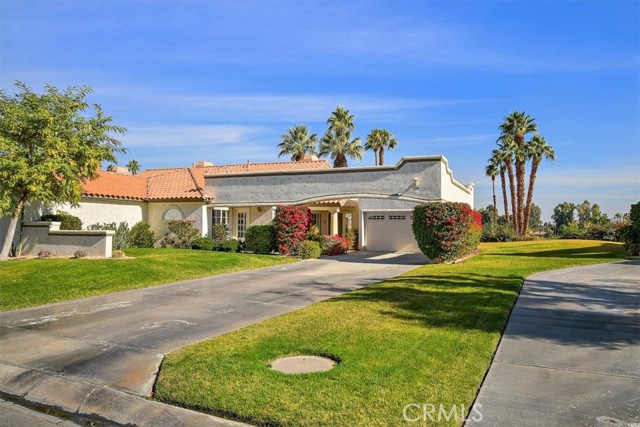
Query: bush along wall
point(261, 239)
point(446, 231)
point(291, 224)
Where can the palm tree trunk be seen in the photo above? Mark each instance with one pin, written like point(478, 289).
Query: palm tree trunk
point(520, 177)
point(495, 207)
point(340, 161)
point(381, 156)
point(11, 231)
point(532, 181)
point(375, 155)
point(504, 194)
point(512, 190)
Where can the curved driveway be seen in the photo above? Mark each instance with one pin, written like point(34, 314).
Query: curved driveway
point(570, 355)
point(118, 339)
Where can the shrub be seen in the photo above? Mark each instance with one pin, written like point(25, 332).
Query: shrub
point(230, 245)
point(80, 253)
point(314, 234)
point(631, 232)
point(121, 238)
point(446, 231)
point(45, 253)
point(118, 254)
point(67, 221)
point(502, 233)
point(203, 244)
point(292, 224)
point(308, 249)
point(181, 234)
point(334, 245)
point(352, 237)
point(261, 239)
point(219, 233)
point(141, 236)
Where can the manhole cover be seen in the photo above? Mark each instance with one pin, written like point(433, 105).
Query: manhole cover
point(303, 364)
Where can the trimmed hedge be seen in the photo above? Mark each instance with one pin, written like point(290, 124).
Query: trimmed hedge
point(292, 224)
point(260, 239)
point(229, 245)
point(203, 244)
point(67, 221)
point(446, 231)
point(308, 249)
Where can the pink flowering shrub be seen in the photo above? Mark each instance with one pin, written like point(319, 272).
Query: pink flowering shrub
point(292, 223)
point(334, 245)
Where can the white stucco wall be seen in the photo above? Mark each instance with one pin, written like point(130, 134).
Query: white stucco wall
point(93, 211)
point(39, 236)
point(415, 179)
point(191, 210)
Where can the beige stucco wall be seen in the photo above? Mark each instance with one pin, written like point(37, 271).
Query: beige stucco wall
point(191, 210)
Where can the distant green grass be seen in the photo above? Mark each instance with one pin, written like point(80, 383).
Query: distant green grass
point(427, 336)
point(28, 283)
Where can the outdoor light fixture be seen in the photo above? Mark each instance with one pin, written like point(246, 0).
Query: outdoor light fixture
point(416, 183)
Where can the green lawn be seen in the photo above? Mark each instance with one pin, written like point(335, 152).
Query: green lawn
point(27, 283)
point(424, 337)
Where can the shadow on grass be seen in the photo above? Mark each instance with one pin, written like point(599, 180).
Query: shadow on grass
point(602, 250)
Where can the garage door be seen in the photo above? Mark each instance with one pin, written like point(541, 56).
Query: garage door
point(389, 231)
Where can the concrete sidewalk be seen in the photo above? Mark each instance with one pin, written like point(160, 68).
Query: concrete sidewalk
point(99, 356)
point(570, 354)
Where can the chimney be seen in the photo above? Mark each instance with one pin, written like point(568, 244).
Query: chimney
point(202, 164)
point(309, 158)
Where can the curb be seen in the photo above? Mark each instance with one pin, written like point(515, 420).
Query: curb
point(98, 402)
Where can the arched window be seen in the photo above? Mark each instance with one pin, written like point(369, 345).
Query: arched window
point(172, 213)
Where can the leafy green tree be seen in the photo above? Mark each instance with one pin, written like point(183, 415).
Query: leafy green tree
point(133, 166)
point(563, 214)
point(584, 212)
point(337, 143)
point(379, 140)
point(515, 128)
point(535, 217)
point(537, 150)
point(297, 142)
point(49, 144)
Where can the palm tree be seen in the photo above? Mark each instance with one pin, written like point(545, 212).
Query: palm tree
point(111, 167)
point(337, 142)
point(297, 142)
point(133, 166)
point(537, 150)
point(516, 126)
point(492, 170)
point(379, 140)
point(507, 148)
point(496, 157)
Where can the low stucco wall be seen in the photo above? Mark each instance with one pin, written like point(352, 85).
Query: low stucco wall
point(39, 236)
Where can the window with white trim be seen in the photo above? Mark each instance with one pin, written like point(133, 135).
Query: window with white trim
point(316, 219)
point(221, 216)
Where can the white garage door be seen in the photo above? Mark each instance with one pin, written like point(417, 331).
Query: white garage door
point(389, 231)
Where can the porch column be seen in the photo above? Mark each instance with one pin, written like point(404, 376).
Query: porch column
point(334, 222)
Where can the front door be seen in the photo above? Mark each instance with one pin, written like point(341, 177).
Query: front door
point(242, 218)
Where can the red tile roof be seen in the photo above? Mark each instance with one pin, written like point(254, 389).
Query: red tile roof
point(178, 183)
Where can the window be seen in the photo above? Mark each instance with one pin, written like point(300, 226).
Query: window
point(241, 225)
point(348, 217)
point(397, 217)
point(375, 217)
point(316, 219)
point(172, 213)
point(220, 216)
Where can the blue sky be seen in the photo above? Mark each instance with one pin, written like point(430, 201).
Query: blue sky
point(223, 80)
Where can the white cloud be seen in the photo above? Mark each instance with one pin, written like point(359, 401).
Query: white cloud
point(193, 135)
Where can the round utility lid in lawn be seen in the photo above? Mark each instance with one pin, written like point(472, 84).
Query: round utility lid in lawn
point(302, 364)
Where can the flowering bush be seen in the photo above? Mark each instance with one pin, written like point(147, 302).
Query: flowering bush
point(292, 224)
point(446, 231)
point(334, 245)
point(181, 234)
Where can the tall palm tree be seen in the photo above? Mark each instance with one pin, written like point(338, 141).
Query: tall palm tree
point(297, 142)
point(496, 157)
point(507, 149)
point(537, 150)
point(133, 166)
point(492, 170)
point(337, 142)
point(379, 140)
point(516, 126)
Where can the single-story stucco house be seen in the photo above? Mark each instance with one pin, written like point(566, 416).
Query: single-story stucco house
point(378, 201)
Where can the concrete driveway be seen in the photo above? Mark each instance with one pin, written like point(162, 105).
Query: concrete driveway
point(570, 355)
point(118, 340)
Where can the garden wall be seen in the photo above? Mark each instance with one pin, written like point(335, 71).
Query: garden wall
point(41, 236)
